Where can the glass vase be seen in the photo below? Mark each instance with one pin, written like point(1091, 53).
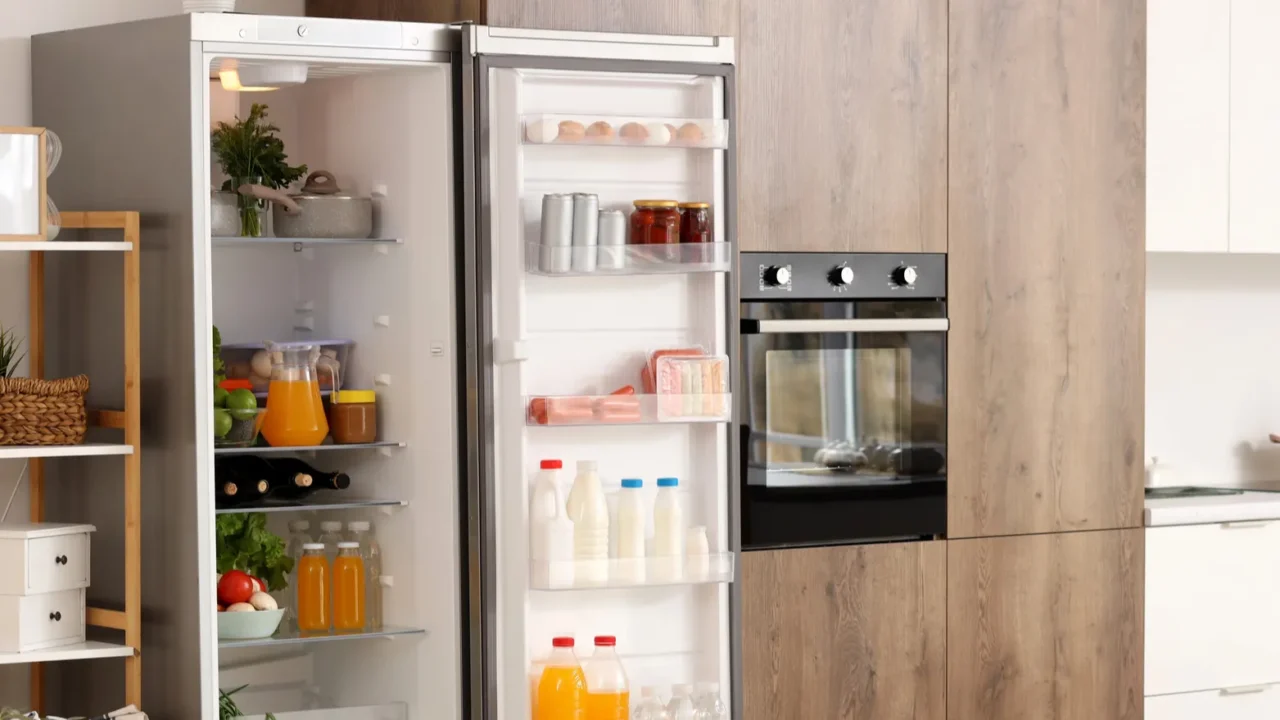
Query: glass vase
point(253, 211)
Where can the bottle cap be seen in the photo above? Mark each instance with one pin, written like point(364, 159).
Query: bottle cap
point(358, 526)
point(300, 525)
point(353, 396)
point(566, 642)
point(668, 482)
point(348, 546)
point(551, 464)
point(312, 546)
point(606, 641)
point(331, 525)
point(587, 465)
point(632, 483)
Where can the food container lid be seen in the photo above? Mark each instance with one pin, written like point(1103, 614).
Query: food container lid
point(348, 545)
point(231, 385)
point(343, 397)
point(656, 203)
point(632, 483)
point(668, 482)
point(695, 205)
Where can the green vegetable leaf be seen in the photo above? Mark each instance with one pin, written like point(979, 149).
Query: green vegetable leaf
point(245, 543)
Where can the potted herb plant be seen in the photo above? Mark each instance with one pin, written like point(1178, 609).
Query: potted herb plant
point(250, 153)
point(227, 709)
point(35, 411)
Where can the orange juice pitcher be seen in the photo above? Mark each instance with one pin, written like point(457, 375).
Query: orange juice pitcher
point(295, 412)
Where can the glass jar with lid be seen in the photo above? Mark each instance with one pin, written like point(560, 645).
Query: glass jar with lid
point(353, 416)
point(695, 222)
point(655, 222)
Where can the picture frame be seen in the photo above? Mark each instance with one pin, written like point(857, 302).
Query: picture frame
point(24, 214)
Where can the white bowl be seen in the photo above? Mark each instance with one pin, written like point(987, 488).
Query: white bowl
point(249, 625)
point(192, 6)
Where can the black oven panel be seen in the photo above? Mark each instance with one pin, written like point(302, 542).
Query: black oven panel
point(842, 276)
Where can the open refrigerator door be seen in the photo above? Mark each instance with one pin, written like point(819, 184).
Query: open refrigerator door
point(601, 322)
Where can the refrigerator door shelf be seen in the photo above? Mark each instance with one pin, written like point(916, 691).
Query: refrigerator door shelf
point(631, 573)
point(626, 131)
point(577, 410)
point(674, 259)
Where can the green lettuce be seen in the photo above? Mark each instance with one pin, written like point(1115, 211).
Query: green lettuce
point(245, 543)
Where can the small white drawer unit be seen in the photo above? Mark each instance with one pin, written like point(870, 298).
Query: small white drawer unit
point(42, 591)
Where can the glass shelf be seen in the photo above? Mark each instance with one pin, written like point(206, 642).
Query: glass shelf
point(290, 450)
point(583, 260)
point(291, 636)
point(627, 573)
point(299, 243)
point(273, 506)
point(625, 131)
point(571, 410)
point(392, 711)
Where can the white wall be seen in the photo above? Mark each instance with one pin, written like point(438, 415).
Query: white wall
point(19, 20)
point(1213, 367)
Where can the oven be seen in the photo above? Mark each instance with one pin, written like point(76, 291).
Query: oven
point(843, 416)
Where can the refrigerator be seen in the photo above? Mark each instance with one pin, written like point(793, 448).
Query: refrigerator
point(465, 314)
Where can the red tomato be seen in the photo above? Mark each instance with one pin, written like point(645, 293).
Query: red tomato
point(262, 584)
point(235, 587)
point(221, 609)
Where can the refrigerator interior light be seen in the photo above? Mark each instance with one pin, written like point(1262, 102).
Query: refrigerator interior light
point(260, 78)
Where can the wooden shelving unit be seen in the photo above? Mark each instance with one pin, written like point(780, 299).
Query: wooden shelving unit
point(129, 420)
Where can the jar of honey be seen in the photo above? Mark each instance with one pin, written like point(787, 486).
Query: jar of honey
point(353, 417)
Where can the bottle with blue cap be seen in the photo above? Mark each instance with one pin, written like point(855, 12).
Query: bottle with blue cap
point(668, 531)
point(629, 550)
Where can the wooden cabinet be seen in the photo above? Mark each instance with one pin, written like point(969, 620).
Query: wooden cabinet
point(1255, 115)
point(664, 17)
point(1046, 266)
point(842, 135)
point(845, 633)
point(1045, 626)
point(1188, 122)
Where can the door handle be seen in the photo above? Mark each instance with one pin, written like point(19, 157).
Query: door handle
point(1245, 524)
point(1244, 689)
point(845, 325)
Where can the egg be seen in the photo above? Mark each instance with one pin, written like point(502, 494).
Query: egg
point(542, 131)
point(240, 607)
point(659, 134)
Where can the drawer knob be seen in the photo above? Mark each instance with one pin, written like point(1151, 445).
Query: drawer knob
point(60, 560)
point(56, 616)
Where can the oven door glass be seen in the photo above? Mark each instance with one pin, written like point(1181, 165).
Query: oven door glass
point(845, 405)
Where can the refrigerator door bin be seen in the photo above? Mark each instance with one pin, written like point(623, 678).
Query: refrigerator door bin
point(627, 259)
point(652, 571)
point(568, 410)
point(626, 131)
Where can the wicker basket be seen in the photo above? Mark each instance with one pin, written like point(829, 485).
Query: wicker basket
point(42, 412)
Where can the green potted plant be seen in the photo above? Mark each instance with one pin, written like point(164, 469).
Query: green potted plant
point(227, 709)
point(250, 153)
point(36, 411)
point(10, 352)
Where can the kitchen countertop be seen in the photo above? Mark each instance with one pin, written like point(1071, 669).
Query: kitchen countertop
point(1248, 505)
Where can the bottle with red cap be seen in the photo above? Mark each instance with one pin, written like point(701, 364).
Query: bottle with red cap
point(608, 694)
point(550, 530)
point(562, 688)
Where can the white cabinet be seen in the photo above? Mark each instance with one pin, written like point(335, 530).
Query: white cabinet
point(1188, 120)
point(43, 557)
point(1259, 702)
point(1255, 117)
point(37, 622)
point(1212, 616)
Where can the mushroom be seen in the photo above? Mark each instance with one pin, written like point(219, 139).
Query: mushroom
point(262, 601)
point(240, 607)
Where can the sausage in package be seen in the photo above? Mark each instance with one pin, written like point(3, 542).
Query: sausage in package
point(691, 387)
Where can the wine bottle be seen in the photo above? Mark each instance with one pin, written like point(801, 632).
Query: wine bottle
point(234, 491)
point(282, 480)
point(319, 479)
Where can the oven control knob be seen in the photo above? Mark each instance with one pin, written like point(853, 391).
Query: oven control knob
point(840, 275)
point(775, 276)
point(904, 276)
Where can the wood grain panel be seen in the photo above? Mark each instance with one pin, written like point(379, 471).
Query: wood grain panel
point(1045, 627)
point(845, 633)
point(1047, 266)
point(436, 11)
point(842, 125)
point(666, 17)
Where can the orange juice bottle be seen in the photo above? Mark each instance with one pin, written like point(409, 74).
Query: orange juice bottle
point(295, 412)
point(313, 589)
point(608, 693)
point(348, 588)
point(562, 689)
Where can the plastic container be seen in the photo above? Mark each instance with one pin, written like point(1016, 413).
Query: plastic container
point(295, 412)
point(697, 550)
point(589, 511)
point(251, 363)
point(374, 611)
point(668, 531)
point(314, 613)
point(299, 535)
point(544, 507)
point(631, 525)
point(361, 532)
point(348, 589)
point(245, 428)
point(353, 416)
point(707, 704)
point(562, 687)
point(608, 693)
point(692, 387)
point(650, 706)
point(680, 706)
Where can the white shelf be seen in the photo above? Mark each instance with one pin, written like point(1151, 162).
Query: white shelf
point(9, 452)
point(299, 243)
point(294, 637)
point(393, 711)
point(79, 651)
point(65, 246)
point(628, 573)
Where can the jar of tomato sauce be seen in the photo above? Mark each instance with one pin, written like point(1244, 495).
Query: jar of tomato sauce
point(695, 222)
point(655, 222)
